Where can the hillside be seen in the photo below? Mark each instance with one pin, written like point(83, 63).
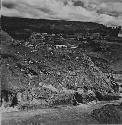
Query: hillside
point(58, 67)
point(47, 68)
point(20, 28)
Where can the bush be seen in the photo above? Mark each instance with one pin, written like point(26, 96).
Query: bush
point(108, 114)
point(61, 99)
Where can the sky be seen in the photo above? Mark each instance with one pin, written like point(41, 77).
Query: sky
point(108, 12)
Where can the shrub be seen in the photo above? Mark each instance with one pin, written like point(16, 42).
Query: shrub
point(61, 99)
point(108, 114)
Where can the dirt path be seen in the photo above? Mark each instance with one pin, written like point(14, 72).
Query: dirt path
point(68, 115)
point(60, 116)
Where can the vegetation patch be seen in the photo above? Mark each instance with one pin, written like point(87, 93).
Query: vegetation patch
point(108, 114)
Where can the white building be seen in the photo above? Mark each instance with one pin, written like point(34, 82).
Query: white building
point(61, 46)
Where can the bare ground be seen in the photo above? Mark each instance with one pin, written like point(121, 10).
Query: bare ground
point(61, 115)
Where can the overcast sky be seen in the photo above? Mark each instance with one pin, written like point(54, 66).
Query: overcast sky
point(101, 11)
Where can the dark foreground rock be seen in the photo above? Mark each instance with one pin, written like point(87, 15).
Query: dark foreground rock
point(108, 114)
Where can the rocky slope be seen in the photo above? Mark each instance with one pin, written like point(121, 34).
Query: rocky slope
point(72, 67)
point(35, 62)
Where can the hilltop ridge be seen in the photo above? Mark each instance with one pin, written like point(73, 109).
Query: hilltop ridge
point(22, 27)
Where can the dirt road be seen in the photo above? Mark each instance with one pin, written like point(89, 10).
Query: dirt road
point(61, 115)
point(69, 115)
